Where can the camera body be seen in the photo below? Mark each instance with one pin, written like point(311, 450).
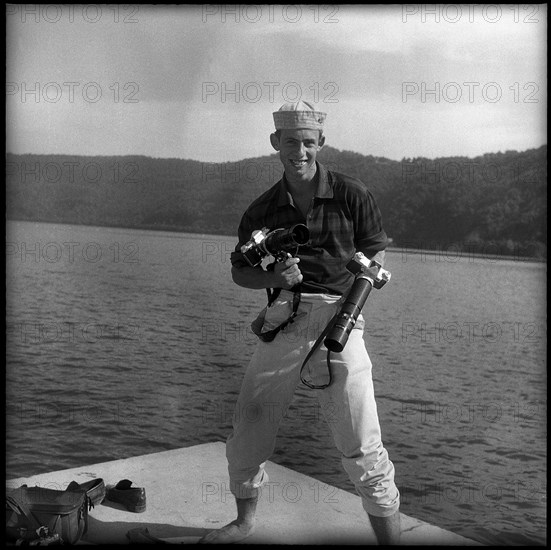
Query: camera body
point(361, 266)
point(368, 274)
point(278, 243)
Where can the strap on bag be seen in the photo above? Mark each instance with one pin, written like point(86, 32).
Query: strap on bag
point(269, 335)
point(20, 507)
point(82, 517)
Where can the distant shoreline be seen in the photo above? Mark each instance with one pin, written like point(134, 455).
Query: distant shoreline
point(446, 255)
point(450, 256)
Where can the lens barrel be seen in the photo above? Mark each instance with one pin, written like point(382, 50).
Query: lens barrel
point(287, 239)
point(348, 315)
point(300, 234)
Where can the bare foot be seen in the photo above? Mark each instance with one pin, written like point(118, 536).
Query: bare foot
point(233, 532)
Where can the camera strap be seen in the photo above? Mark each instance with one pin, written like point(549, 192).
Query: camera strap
point(269, 335)
point(316, 345)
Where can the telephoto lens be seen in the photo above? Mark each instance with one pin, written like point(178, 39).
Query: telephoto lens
point(282, 240)
point(348, 314)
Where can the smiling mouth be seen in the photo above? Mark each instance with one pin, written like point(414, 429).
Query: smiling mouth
point(298, 163)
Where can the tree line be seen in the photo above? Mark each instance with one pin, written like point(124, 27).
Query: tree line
point(494, 203)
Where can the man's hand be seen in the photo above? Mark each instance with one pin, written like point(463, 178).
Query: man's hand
point(287, 273)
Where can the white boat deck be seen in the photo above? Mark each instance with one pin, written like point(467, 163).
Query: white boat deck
point(188, 495)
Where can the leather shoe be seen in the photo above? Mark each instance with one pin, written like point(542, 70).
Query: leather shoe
point(133, 498)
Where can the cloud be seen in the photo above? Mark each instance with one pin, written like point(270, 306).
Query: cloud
point(189, 76)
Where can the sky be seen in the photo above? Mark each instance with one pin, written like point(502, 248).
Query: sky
point(201, 82)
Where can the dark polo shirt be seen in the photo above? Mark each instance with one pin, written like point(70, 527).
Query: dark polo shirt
point(343, 219)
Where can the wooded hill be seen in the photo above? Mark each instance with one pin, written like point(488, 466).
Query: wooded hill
point(491, 204)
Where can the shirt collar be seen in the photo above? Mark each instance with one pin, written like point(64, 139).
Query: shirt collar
point(323, 191)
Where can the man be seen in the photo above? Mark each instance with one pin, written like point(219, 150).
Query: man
point(342, 218)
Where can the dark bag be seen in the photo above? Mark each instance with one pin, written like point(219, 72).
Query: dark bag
point(41, 516)
point(258, 324)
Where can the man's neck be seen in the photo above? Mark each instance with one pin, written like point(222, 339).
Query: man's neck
point(303, 186)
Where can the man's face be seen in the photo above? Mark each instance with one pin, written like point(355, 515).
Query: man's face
point(298, 150)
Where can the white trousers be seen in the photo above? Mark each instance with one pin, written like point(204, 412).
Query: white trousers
point(268, 388)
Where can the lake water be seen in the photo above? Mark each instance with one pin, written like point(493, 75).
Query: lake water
point(123, 342)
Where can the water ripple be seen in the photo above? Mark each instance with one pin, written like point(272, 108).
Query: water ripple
point(150, 356)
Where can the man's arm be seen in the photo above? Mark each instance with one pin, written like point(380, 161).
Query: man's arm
point(252, 277)
point(284, 275)
point(370, 237)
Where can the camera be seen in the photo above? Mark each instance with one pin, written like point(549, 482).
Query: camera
point(360, 266)
point(368, 274)
point(43, 538)
point(278, 243)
